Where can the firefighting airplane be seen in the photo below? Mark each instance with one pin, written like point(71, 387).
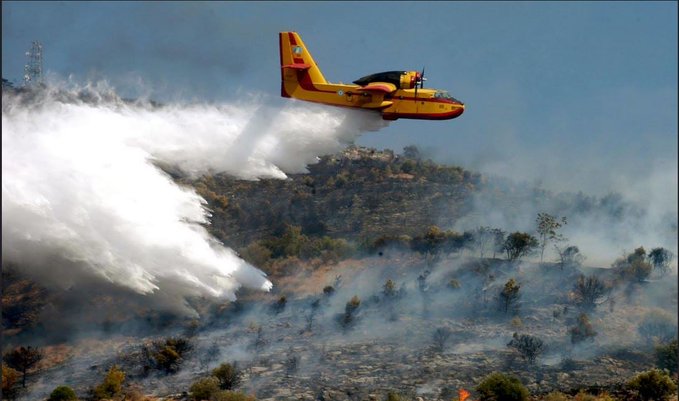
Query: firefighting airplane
point(395, 94)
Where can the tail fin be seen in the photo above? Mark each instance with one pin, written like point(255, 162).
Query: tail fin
point(297, 65)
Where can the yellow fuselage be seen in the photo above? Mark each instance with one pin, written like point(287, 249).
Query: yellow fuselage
point(302, 79)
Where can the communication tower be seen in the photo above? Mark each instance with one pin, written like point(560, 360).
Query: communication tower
point(33, 68)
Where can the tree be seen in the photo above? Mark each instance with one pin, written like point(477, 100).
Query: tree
point(547, 230)
point(653, 385)
point(519, 244)
point(587, 291)
point(509, 296)
point(569, 257)
point(634, 266)
point(661, 259)
point(228, 375)
point(501, 387)
point(528, 346)
point(498, 240)
point(23, 359)
point(482, 236)
point(412, 152)
point(63, 393)
point(112, 384)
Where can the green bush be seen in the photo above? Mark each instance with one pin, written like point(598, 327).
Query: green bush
point(204, 389)
point(225, 395)
point(653, 385)
point(501, 387)
point(666, 356)
point(556, 396)
point(393, 396)
point(229, 377)
point(657, 327)
point(63, 393)
point(166, 355)
point(112, 384)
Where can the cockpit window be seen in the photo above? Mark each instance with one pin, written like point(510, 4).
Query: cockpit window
point(445, 95)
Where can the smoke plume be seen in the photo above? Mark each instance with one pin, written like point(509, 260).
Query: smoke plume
point(82, 196)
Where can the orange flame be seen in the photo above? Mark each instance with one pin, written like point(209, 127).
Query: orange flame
point(463, 394)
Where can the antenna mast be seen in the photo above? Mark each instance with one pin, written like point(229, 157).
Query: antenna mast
point(33, 68)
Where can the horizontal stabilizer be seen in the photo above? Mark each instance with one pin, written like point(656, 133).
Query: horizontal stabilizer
point(299, 66)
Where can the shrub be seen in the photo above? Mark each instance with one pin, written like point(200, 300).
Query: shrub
point(229, 377)
point(203, 389)
point(454, 284)
point(349, 311)
point(516, 322)
point(256, 254)
point(582, 330)
point(584, 396)
point(279, 305)
point(498, 386)
point(556, 396)
point(10, 377)
point(528, 346)
point(666, 356)
point(657, 327)
point(634, 266)
point(440, 338)
point(652, 385)
point(588, 290)
point(231, 396)
point(394, 396)
point(328, 290)
point(63, 393)
point(166, 355)
point(112, 384)
point(389, 289)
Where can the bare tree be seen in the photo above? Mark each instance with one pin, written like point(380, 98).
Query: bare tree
point(588, 291)
point(547, 230)
point(440, 338)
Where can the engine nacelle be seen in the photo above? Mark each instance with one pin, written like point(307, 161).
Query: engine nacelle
point(402, 79)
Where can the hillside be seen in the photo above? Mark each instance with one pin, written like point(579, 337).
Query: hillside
point(374, 294)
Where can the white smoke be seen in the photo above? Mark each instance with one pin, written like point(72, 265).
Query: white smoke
point(81, 196)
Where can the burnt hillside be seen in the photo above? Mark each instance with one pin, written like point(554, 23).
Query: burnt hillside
point(358, 194)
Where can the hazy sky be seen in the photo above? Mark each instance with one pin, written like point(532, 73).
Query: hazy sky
point(578, 95)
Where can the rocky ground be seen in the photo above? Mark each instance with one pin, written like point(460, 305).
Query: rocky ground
point(390, 346)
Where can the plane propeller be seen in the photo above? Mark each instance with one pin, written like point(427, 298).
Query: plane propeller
point(420, 82)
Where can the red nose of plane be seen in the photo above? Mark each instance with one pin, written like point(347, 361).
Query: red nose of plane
point(458, 109)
